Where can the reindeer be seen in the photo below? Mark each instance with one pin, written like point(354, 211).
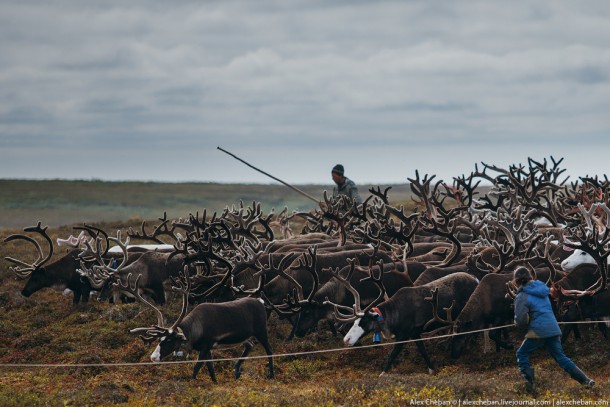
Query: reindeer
point(488, 306)
point(153, 267)
point(208, 326)
point(408, 313)
point(581, 291)
point(60, 275)
point(309, 311)
point(277, 288)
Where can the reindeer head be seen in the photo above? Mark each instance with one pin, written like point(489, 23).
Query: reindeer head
point(172, 338)
point(364, 320)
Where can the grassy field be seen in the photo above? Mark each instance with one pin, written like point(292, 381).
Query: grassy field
point(47, 329)
point(57, 203)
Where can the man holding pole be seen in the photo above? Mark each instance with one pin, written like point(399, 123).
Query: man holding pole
point(345, 186)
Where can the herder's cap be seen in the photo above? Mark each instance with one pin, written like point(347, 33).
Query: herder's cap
point(338, 169)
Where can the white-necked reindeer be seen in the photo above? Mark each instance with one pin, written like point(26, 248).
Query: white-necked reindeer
point(208, 326)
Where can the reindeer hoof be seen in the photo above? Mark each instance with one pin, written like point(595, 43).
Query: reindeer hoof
point(431, 371)
point(382, 373)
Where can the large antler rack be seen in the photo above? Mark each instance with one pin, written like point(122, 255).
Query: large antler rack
point(73, 241)
point(246, 256)
point(24, 269)
point(356, 311)
point(438, 219)
point(200, 248)
point(297, 300)
point(552, 174)
point(511, 235)
point(535, 186)
point(245, 224)
point(405, 230)
point(197, 228)
point(386, 224)
point(381, 195)
point(377, 233)
point(463, 189)
point(240, 224)
point(339, 209)
point(593, 241)
point(446, 324)
point(181, 285)
point(95, 233)
point(473, 221)
point(282, 221)
point(267, 233)
point(544, 189)
point(161, 229)
point(314, 222)
point(595, 189)
point(421, 189)
point(562, 209)
point(534, 254)
point(99, 274)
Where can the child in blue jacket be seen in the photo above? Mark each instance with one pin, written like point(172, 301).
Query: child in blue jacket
point(533, 312)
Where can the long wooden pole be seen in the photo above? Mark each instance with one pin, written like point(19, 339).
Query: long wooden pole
point(305, 194)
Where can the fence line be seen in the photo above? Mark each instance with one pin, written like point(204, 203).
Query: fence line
point(279, 355)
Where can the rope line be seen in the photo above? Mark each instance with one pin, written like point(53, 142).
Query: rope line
point(278, 355)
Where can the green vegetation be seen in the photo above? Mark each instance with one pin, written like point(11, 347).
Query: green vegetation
point(56, 203)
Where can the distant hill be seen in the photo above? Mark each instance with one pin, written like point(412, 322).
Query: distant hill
point(60, 202)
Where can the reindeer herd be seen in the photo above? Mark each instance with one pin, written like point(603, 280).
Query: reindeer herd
point(354, 269)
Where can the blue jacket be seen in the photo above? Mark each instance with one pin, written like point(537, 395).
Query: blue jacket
point(533, 311)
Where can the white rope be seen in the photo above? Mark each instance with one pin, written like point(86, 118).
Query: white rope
point(279, 355)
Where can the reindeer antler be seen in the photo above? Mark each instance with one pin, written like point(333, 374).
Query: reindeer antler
point(182, 285)
point(28, 268)
point(356, 311)
point(447, 323)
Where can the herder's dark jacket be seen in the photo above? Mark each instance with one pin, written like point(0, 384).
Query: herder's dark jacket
point(348, 188)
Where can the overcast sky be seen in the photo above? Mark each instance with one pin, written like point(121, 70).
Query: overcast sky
point(146, 90)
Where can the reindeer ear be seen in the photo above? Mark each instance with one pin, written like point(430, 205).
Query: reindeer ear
point(180, 334)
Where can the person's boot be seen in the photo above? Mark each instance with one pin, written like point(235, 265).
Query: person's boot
point(580, 377)
point(528, 375)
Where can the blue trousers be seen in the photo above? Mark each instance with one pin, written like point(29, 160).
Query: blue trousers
point(552, 345)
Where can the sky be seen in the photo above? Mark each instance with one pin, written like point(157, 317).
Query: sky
point(146, 90)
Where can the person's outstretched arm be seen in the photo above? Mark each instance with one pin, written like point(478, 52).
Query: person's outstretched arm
point(522, 316)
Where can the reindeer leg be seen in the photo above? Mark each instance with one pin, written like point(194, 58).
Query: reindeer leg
point(565, 333)
point(262, 338)
point(421, 347)
point(210, 365)
point(247, 348)
point(506, 343)
point(497, 335)
point(331, 326)
point(199, 363)
point(77, 296)
point(293, 330)
point(205, 353)
point(85, 293)
point(159, 295)
point(395, 351)
point(576, 331)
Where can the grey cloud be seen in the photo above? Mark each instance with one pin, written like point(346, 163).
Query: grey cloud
point(317, 77)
